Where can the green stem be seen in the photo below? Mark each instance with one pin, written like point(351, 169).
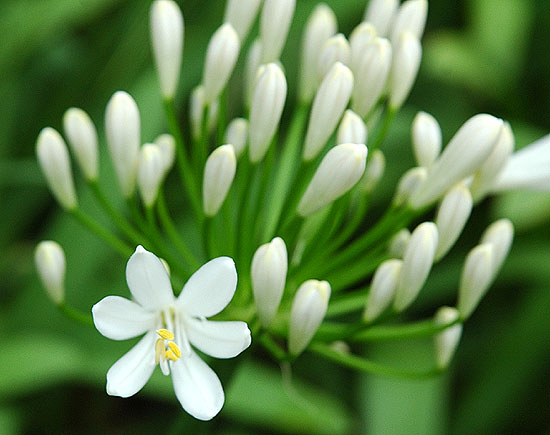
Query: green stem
point(422, 328)
point(75, 315)
point(384, 128)
point(348, 303)
point(150, 214)
point(273, 348)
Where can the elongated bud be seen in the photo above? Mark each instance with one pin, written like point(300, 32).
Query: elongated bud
point(371, 75)
point(218, 175)
point(452, 215)
point(308, 311)
point(167, 37)
point(374, 172)
point(237, 134)
point(382, 289)
point(82, 136)
point(352, 129)
point(123, 131)
point(409, 184)
point(446, 341)
point(476, 278)
point(266, 109)
point(167, 147)
point(241, 14)
point(411, 18)
point(399, 243)
point(274, 26)
point(320, 26)
point(466, 152)
point(221, 56)
point(338, 172)
point(417, 263)
point(406, 62)
point(49, 259)
point(335, 49)
point(253, 59)
point(500, 235)
point(150, 173)
point(363, 35)
point(196, 111)
point(329, 104)
point(426, 139)
point(269, 267)
point(380, 14)
point(55, 163)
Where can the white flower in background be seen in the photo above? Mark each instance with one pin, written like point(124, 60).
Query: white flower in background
point(405, 64)
point(240, 14)
point(447, 340)
point(411, 17)
point(167, 146)
point(380, 14)
point(237, 135)
point(171, 325)
point(219, 172)
point(150, 173)
point(49, 259)
point(274, 26)
point(426, 139)
point(352, 129)
point(335, 49)
point(82, 137)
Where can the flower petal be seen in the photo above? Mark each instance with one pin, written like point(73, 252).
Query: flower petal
point(218, 339)
point(131, 372)
point(118, 318)
point(210, 288)
point(148, 280)
point(197, 387)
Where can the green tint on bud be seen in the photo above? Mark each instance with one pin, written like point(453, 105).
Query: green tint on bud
point(446, 341)
point(399, 243)
point(55, 163)
point(82, 137)
point(49, 259)
point(374, 172)
point(218, 176)
point(269, 268)
point(380, 14)
point(408, 184)
point(404, 69)
point(237, 134)
point(274, 26)
point(308, 311)
point(476, 278)
point(167, 147)
point(240, 14)
point(150, 173)
point(382, 289)
point(253, 59)
point(352, 129)
point(411, 18)
point(500, 234)
point(338, 172)
point(426, 139)
point(335, 49)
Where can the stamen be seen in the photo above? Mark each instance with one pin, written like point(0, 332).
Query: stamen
point(174, 348)
point(164, 333)
point(159, 350)
point(170, 355)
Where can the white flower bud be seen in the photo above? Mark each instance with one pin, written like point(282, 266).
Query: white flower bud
point(335, 49)
point(382, 289)
point(452, 215)
point(374, 172)
point(476, 277)
point(253, 59)
point(371, 75)
point(55, 163)
point(447, 340)
point(196, 111)
point(466, 152)
point(363, 35)
point(266, 109)
point(167, 147)
point(269, 268)
point(167, 37)
point(218, 176)
point(380, 14)
point(426, 139)
point(274, 26)
point(320, 26)
point(417, 263)
point(49, 259)
point(500, 234)
point(123, 131)
point(237, 134)
point(408, 184)
point(399, 243)
point(411, 18)
point(329, 104)
point(405, 65)
point(338, 172)
point(150, 173)
point(352, 129)
point(82, 136)
point(308, 311)
point(221, 56)
point(241, 14)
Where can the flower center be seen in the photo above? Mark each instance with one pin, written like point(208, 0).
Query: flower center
point(166, 350)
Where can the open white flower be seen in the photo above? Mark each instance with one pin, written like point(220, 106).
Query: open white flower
point(171, 325)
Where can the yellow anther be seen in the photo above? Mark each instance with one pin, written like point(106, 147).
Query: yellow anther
point(170, 355)
point(174, 348)
point(159, 350)
point(164, 333)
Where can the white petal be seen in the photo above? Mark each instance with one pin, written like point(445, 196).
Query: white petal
point(218, 339)
point(197, 387)
point(210, 288)
point(131, 372)
point(118, 318)
point(148, 280)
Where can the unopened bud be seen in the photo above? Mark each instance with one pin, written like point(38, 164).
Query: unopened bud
point(411, 18)
point(382, 289)
point(500, 234)
point(352, 129)
point(218, 176)
point(374, 171)
point(196, 111)
point(335, 49)
point(274, 26)
point(253, 59)
point(167, 147)
point(408, 184)
point(82, 137)
point(426, 139)
point(50, 264)
point(240, 14)
point(476, 278)
point(447, 340)
point(405, 65)
point(150, 173)
point(363, 35)
point(237, 134)
point(380, 14)
point(399, 243)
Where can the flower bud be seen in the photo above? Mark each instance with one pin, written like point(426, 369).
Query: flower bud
point(335, 49)
point(274, 26)
point(55, 163)
point(338, 172)
point(405, 65)
point(266, 109)
point(196, 111)
point(240, 14)
point(363, 35)
point(374, 171)
point(221, 56)
point(426, 139)
point(382, 289)
point(49, 259)
point(452, 215)
point(150, 173)
point(476, 277)
point(308, 311)
point(123, 131)
point(167, 147)
point(237, 134)
point(417, 263)
point(411, 18)
point(167, 37)
point(500, 235)
point(466, 152)
point(399, 243)
point(329, 104)
point(408, 184)
point(82, 136)
point(352, 129)
point(269, 267)
point(380, 14)
point(253, 59)
point(218, 175)
point(447, 340)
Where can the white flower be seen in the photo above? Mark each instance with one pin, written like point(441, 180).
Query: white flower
point(171, 325)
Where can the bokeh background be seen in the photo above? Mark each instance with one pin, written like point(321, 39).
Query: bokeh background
point(479, 56)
